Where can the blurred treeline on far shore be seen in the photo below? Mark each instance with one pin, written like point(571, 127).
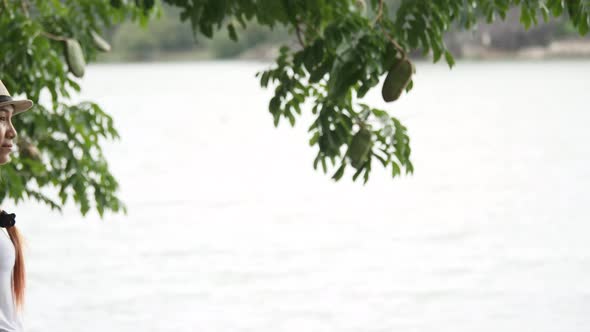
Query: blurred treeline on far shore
point(168, 39)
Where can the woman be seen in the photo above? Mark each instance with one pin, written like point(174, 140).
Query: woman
point(12, 269)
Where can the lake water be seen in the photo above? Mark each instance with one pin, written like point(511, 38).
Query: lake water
point(230, 228)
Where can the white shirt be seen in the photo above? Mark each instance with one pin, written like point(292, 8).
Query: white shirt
point(9, 318)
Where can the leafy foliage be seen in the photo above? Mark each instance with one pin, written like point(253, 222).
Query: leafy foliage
point(59, 143)
point(344, 49)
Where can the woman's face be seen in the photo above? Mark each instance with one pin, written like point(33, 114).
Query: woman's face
point(7, 133)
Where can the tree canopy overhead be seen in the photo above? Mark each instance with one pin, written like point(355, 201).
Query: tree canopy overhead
point(343, 49)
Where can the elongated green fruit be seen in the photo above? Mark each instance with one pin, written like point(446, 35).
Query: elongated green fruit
point(397, 80)
point(361, 5)
point(359, 148)
point(99, 42)
point(75, 57)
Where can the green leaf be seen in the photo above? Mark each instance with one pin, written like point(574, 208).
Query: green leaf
point(339, 172)
point(583, 25)
point(410, 86)
point(357, 173)
point(525, 19)
point(449, 58)
point(314, 139)
point(232, 32)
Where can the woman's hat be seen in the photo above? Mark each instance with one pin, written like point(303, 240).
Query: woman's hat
point(19, 105)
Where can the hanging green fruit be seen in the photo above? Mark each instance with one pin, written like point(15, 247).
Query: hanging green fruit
point(361, 5)
point(75, 57)
point(99, 42)
point(359, 148)
point(398, 78)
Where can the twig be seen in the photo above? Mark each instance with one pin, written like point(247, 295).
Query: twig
point(378, 19)
point(52, 36)
point(299, 37)
point(397, 46)
point(379, 12)
point(359, 121)
point(25, 6)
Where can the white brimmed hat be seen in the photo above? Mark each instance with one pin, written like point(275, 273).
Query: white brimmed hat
point(19, 105)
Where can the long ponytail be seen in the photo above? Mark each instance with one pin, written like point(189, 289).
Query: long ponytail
point(18, 272)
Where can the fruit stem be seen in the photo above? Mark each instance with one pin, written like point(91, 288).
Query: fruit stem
point(52, 36)
point(397, 46)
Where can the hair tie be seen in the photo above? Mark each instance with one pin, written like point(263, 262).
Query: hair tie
point(7, 219)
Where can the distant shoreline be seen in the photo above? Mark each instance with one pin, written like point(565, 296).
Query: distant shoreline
point(562, 49)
